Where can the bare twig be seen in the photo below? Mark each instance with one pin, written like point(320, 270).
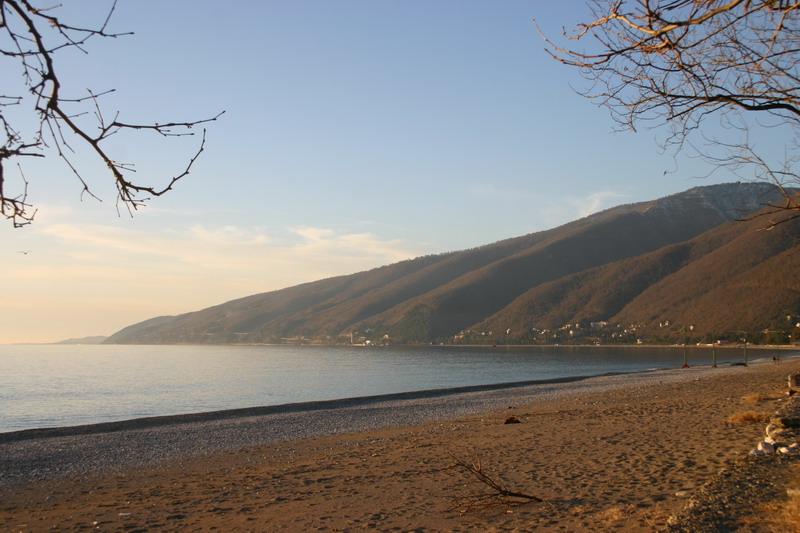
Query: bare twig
point(498, 493)
point(675, 63)
point(34, 36)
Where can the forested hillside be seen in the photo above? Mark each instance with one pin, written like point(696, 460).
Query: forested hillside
point(640, 270)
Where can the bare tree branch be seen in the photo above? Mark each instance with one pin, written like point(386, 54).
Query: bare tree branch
point(498, 493)
point(677, 62)
point(32, 37)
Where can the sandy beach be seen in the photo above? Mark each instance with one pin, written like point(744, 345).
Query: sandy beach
point(610, 453)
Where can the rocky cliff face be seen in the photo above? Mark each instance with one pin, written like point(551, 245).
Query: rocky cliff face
point(598, 268)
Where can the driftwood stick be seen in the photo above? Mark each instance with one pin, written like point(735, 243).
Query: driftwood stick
point(499, 493)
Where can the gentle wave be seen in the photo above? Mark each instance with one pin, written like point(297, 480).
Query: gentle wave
point(58, 385)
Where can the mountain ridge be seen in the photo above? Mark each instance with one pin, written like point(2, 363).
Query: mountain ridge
point(437, 298)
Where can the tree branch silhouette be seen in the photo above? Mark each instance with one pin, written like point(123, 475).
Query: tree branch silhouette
point(675, 63)
point(495, 492)
point(32, 37)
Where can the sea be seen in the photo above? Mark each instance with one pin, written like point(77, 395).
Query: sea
point(67, 385)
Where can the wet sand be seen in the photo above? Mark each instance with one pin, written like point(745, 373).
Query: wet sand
point(606, 453)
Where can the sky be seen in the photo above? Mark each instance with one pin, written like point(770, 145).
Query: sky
point(356, 133)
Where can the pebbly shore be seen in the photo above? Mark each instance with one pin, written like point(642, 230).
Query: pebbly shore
point(46, 454)
point(766, 477)
point(604, 453)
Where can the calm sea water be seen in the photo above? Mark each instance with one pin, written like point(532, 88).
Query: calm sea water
point(59, 385)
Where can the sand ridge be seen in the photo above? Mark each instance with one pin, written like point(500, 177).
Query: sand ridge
point(603, 457)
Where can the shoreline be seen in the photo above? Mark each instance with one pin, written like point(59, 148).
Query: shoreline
point(155, 420)
point(48, 453)
point(605, 452)
point(287, 408)
point(793, 347)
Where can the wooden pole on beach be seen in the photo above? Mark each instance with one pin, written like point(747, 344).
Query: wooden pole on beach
point(685, 358)
point(714, 350)
point(745, 353)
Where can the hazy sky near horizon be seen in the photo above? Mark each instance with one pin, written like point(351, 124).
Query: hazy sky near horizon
point(355, 134)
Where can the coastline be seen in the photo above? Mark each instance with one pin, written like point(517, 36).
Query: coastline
point(354, 401)
point(288, 408)
point(174, 395)
point(624, 443)
point(51, 453)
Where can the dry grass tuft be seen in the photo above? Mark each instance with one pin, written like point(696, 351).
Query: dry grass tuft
point(783, 516)
point(791, 513)
point(613, 515)
point(579, 510)
point(755, 397)
point(747, 417)
point(656, 518)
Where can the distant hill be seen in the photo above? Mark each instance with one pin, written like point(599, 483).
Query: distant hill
point(684, 260)
point(98, 339)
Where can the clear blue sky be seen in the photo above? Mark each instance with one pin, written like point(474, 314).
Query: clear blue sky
point(356, 134)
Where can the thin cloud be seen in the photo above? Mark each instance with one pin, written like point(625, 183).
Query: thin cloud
point(321, 242)
point(291, 256)
point(97, 279)
point(596, 202)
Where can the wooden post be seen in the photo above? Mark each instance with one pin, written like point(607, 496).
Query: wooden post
point(714, 350)
point(685, 357)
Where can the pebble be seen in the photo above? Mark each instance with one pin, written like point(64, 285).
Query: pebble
point(766, 447)
point(778, 434)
